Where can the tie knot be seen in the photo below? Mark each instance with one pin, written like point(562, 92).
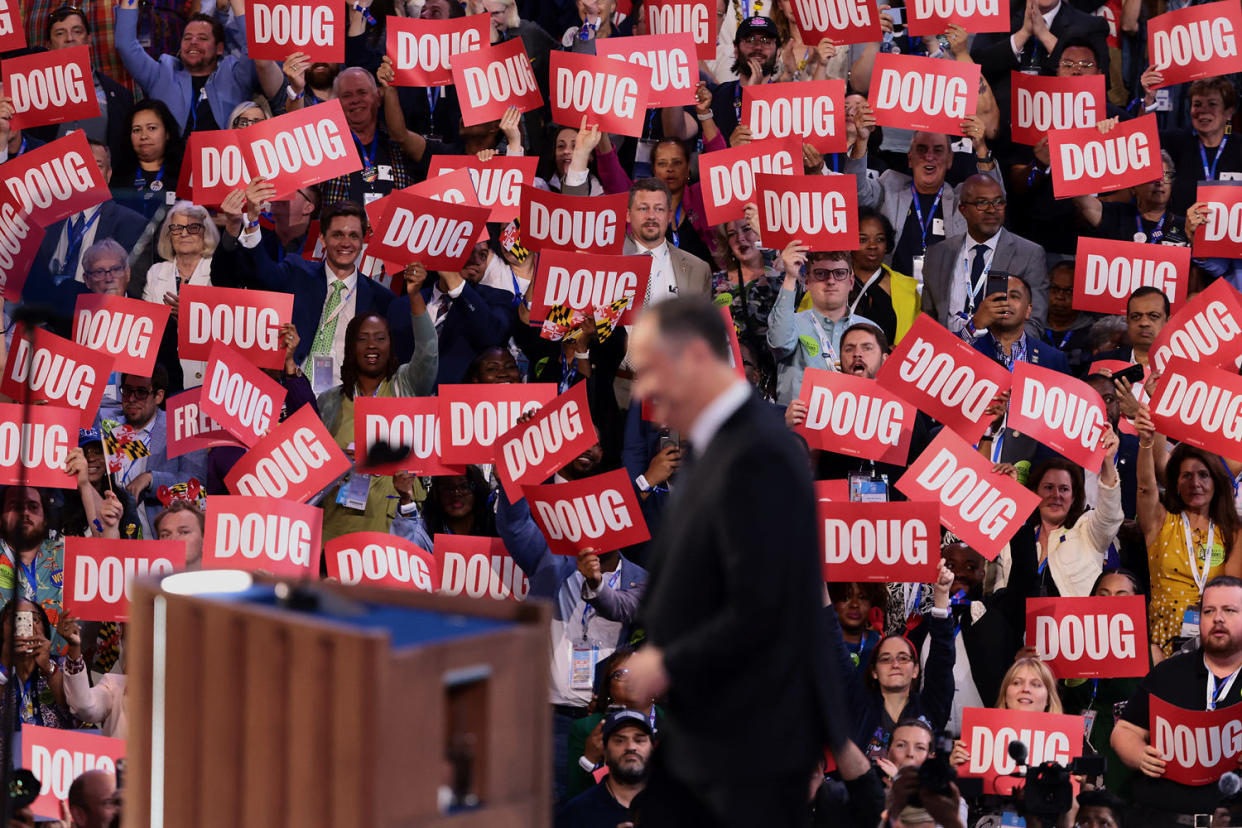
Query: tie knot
point(980, 249)
point(338, 286)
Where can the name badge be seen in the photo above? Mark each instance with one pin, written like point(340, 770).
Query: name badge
point(937, 227)
point(582, 668)
point(385, 172)
point(1190, 623)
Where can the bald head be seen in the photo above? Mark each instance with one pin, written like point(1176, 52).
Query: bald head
point(929, 158)
point(983, 207)
point(92, 799)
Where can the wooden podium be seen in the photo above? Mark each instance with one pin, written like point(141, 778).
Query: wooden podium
point(360, 709)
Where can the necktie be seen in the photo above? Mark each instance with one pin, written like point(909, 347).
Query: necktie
point(647, 294)
point(976, 270)
point(322, 344)
point(442, 309)
point(70, 268)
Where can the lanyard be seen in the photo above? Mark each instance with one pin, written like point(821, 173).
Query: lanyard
point(1064, 339)
point(140, 183)
point(1157, 232)
point(368, 158)
point(1200, 577)
point(517, 290)
point(836, 162)
point(341, 305)
point(433, 98)
point(1218, 688)
point(737, 102)
point(911, 597)
point(202, 96)
point(830, 353)
point(569, 370)
point(22, 147)
point(875, 277)
point(676, 223)
point(29, 570)
point(75, 239)
point(924, 224)
point(972, 291)
point(614, 579)
point(1209, 173)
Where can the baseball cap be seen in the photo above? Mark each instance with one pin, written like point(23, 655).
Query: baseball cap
point(626, 718)
point(757, 24)
point(86, 436)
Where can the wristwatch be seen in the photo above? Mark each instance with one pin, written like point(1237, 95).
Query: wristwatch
point(642, 484)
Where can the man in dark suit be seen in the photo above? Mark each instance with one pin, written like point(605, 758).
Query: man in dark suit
point(735, 595)
point(1007, 340)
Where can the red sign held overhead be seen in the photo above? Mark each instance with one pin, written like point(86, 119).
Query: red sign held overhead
point(1084, 161)
point(189, 429)
point(56, 180)
point(693, 17)
point(944, 377)
point(821, 211)
point(295, 461)
point(671, 59)
point(497, 182)
point(586, 281)
point(218, 163)
point(1040, 104)
point(240, 397)
point(439, 234)
point(855, 416)
point(1049, 737)
point(381, 559)
point(882, 542)
point(1090, 637)
point(599, 512)
point(812, 111)
point(412, 422)
point(57, 757)
point(533, 451)
point(982, 508)
point(478, 415)
point(12, 37)
point(252, 533)
point(932, 17)
point(1195, 42)
point(609, 93)
point(1221, 235)
point(1062, 412)
point(1201, 405)
point(494, 78)
point(301, 148)
point(247, 320)
point(50, 87)
point(20, 239)
point(57, 371)
point(98, 572)
point(276, 29)
point(923, 93)
point(844, 21)
point(728, 175)
point(1208, 329)
point(422, 50)
point(1197, 746)
point(590, 224)
point(38, 440)
point(1106, 272)
point(479, 567)
point(128, 330)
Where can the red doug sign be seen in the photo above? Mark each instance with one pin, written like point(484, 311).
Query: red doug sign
point(1106, 272)
point(422, 50)
point(20, 239)
point(128, 330)
point(1207, 329)
point(923, 93)
point(932, 17)
point(584, 282)
point(1221, 234)
point(240, 397)
point(50, 87)
point(295, 461)
point(12, 37)
point(497, 182)
point(189, 429)
point(276, 29)
point(609, 93)
point(437, 233)
point(247, 320)
point(1195, 42)
point(479, 567)
point(1197, 746)
point(39, 442)
point(57, 757)
point(219, 165)
point(301, 148)
point(1084, 161)
point(821, 211)
point(844, 21)
point(693, 17)
point(412, 422)
point(885, 542)
point(381, 559)
point(533, 451)
point(671, 59)
point(1059, 411)
point(813, 111)
point(1049, 737)
point(1090, 637)
point(1201, 405)
point(477, 415)
point(57, 371)
point(982, 508)
point(252, 533)
point(591, 224)
point(56, 180)
point(598, 512)
point(98, 572)
point(494, 78)
point(728, 175)
point(856, 416)
point(1040, 104)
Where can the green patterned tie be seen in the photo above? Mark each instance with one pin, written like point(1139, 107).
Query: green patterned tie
point(322, 344)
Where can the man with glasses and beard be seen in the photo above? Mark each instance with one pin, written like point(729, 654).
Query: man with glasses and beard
point(757, 45)
point(628, 738)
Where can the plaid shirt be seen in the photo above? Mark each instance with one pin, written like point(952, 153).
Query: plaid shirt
point(337, 189)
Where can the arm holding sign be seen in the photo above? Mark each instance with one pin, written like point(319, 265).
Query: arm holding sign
point(412, 144)
point(1101, 523)
point(938, 687)
point(1151, 512)
point(155, 80)
point(417, 378)
point(782, 331)
point(620, 605)
point(529, 549)
point(870, 193)
point(408, 522)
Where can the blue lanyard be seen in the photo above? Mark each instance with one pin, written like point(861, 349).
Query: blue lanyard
point(21, 148)
point(368, 158)
point(676, 223)
point(75, 239)
point(1157, 232)
point(836, 162)
point(30, 572)
point(433, 98)
point(1209, 173)
point(587, 610)
point(1219, 687)
point(140, 183)
point(737, 102)
point(647, 130)
point(202, 96)
point(1059, 346)
point(924, 224)
point(569, 370)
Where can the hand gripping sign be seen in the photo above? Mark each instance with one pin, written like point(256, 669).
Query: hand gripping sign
point(932, 17)
point(923, 93)
point(1040, 104)
point(400, 422)
point(1085, 161)
point(1195, 42)
point(218, 163)
point(381, 559)
point(1208, 329)
point(855, 416)
point(533, 451)
point(1197, 746)
point(276, 29)
point(57, 757)
point(497, 182)
point(1200, 405)
point(1106, 272)
point(34, 445)
point(585, 224)
point(728, 175)
point(845, 21)
point(1090, 637)
point(189, 429)
point(128, 330)
point(494, 78)
point(478, 567)
point(821, 211)
point(422, 50)
point(944, 377)
point(982, 508)
point(609, 93)
point(98, 572)
point(1221, 235)
point(599, 512)
point(439, 234)
point(477, 415)
point(247, 320)
point(879, 542)
point(20, 239)
point(56, 180)
point(240, 397)
point(57, 371)
point(252, 533)
point(671, 59)
point(812, 111)
point(1062, 412)
point(693, 17)
point(301, 148)
point(584, 282)
point(50, 87)
point(1049, 737)
point(295, 461)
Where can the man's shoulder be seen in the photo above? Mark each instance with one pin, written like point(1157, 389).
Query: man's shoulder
point(594, 801)
point(1020, 243)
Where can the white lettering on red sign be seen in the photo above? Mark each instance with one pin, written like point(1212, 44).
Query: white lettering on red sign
point(1105, 156)
point(927, 94)
point(974, 498)
point(938, 375)
point(55, 375)
point(587, 516)
point(274, 537)
point(290, 462)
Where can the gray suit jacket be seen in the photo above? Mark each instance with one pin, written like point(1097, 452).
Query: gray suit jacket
point(1014, 255)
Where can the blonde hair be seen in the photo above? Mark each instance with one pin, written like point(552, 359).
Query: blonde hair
point(1045, 675)
point(211, 233)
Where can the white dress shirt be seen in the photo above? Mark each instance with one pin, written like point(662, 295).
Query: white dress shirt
point(663, 281)
point(958, 290)
point(714, 415)
point(434, 305)
point(1048, 18)
point(62, 246)
point(349, 307)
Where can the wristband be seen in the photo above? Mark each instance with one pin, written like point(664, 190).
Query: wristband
point(940, 612)
point(585, 356)
point(586, 764)
point(987, 159)
point(706, 117)
point(293, 96)
point(642, 484)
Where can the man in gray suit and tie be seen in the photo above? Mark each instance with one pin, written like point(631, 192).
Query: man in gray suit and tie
point(956, 271)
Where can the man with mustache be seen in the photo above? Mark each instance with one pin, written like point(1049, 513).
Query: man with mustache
point(628, 738)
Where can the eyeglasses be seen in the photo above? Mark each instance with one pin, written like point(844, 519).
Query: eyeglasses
point(139, 394)
point(901, 659)
point(758, 40)
point(1167, 177)
point(194, 229)
point(104, 273)
point(837, 274)
point(987, 203)
point(617, 675)
point(1078, 64)
point(242, 123)
point(455, 489)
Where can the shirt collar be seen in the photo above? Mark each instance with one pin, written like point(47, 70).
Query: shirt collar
point(714, 415)
point(1051, 15)
point(660, 251)
point(351, 281)
point(969, 243)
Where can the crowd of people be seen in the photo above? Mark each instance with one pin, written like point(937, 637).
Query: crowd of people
point(939, 217)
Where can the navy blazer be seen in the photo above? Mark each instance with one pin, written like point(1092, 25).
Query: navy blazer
point(481, 317)
point(115, 222)
point(1037, 352)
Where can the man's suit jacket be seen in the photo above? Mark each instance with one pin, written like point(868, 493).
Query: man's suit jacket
point(115, 222)
point(1037, 352)
point(1014, 255)
point(995, 56)
point(169, 472)
point(481, 317)
point(734, 600)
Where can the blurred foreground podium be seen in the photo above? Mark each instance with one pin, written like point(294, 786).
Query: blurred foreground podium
point(257, 702)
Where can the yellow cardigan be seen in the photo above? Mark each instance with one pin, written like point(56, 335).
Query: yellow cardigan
point(906, 302)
